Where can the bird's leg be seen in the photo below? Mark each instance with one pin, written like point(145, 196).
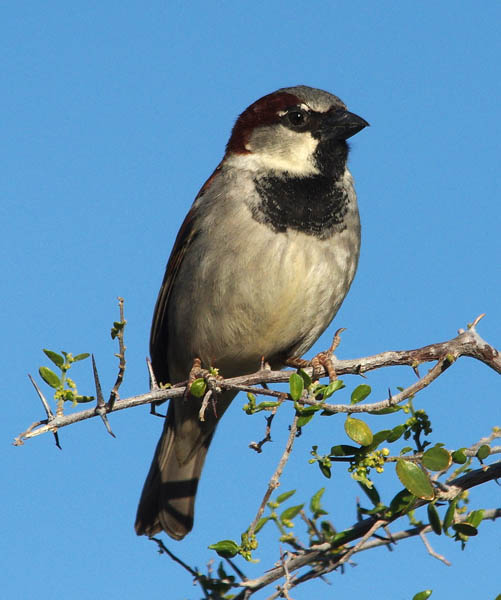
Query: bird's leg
point(211, 378)
point(322, 359)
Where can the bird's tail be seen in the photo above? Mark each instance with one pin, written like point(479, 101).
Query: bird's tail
point(168, 498)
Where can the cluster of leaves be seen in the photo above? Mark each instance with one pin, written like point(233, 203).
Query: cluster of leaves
point(414, 467)
point(65, 388)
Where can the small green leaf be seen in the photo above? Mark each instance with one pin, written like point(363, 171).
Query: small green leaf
point(83, 399)
point(82, 356)
point(378, 438)
point(415, 479)
point(395, 434)
point(225, 548)
point(402, 502)
point(483, 452)
point(198, 387)
point(360, 393)
point(434, 519)
point(459, 457)
point(304, 419)
point(315, 506)
point(422, 595)
point(333, 386)
point(291, 512)
point(406, 450)
point(358, 431)
point(371, 493)
point(475, 517)
point(296, 386)
point(283, 497)
point(437, 459)
point(305, 377)
point(344, 450)
point(326, 471)
point(449, 515)
point(56, 358)
point(465, 529)
point(261, 523)
point(387, 411)
point(49, 377)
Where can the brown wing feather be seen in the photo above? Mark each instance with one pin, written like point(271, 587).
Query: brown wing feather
point(159, 336)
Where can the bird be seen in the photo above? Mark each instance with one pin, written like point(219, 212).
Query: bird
point(259, 268)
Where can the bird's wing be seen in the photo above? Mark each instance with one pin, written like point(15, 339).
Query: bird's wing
point(159, 336)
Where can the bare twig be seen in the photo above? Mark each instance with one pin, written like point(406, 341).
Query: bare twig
point(274, 481)
point(257, 446)
point(121, 355)
point(432, 552)
point(162, 548)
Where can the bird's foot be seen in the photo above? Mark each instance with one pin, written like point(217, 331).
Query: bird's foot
point(321, 361)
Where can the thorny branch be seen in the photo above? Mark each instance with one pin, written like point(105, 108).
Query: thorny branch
point(324, 561)
point(467, 343)
point(274, 481)
point(324, 557)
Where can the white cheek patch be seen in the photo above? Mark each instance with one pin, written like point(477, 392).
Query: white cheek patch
point(293, 153)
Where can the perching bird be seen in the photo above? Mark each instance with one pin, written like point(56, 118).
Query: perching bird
point(260, 266)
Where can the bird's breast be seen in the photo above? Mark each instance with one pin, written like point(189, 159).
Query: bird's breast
point(249, 292)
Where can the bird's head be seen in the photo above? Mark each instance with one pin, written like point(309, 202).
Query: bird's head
point(299, 131)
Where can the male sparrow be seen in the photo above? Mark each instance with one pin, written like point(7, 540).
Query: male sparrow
point(259, 268)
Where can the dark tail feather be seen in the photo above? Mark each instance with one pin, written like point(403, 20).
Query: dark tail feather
point(168, 499)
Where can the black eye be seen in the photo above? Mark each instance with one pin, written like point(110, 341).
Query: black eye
point(296, 118)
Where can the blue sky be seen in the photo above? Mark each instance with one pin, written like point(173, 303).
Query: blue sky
point(113, 115)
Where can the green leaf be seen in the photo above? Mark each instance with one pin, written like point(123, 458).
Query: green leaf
point(483, 452)
point(402, 502)
point(83, 399)
point(395, 434)
point(305, 377)
point(304, 419)
point(82, 356)
point(49, 377)
point(459, 457)
point(437, 459)
point(360, 393)
point(475, 517)
point(449, 515)
point(326, 471)
point(56, 358)
point(315, 506)
point(415, 479)
point(387, 411)
point(333, 386)
point(422, 595)
point(283, 497)
point(291, 512)
point(261, 523)
point(344, 450)
point(198, 387)
point(225, 548)
point(358, 431)
point(296, 386)
point(434, 519)
point(371, 493)
point(465, 529)
point(378, 438)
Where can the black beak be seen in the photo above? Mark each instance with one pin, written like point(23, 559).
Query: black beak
point(341, 124)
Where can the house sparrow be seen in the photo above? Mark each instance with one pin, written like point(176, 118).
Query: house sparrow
point(259, 268)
